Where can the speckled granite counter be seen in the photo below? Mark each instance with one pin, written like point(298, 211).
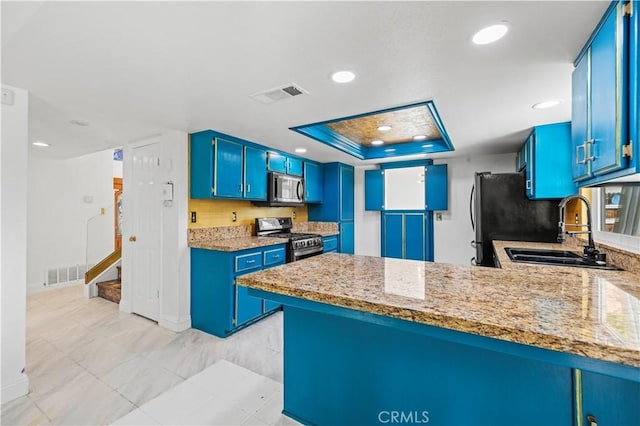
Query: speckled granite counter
point(584, 312)
point(236, 244)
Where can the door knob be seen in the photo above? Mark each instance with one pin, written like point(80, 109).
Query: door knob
point(132, 238)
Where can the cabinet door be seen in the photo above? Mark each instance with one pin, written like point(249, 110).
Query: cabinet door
point(276, 162)
point(346, 193)
point(255, 173)
point(294, 166)
point(228, 169)
point(312, 183)
point(404, 188)
point(436, 193)
point(246, 307)
point(346, 237)
point(374, 190)
point(201, 165)
point(579, 119)
point(529, 148)
point(330, 244)
point(608, 99)
point(392, 236)
point(414, 236)
point(610, 400)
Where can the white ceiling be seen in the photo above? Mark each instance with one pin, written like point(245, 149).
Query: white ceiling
point(132, 69)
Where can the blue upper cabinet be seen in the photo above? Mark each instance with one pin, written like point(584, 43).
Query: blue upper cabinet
point(600, 100)
point(255, 173)
point(548, 169)
point(337, 202)
point(312, 182)
point(294, 166)
point(283, 164)
point(436, 193)
point(374, 190)
point(227, 178)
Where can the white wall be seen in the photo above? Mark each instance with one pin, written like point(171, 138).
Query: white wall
point(175, 289)
point(65, 198)
point(367, 223)
point(453, 235)
point(13, 250)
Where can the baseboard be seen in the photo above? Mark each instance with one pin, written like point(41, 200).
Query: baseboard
point(16, 389)
point(176, 324)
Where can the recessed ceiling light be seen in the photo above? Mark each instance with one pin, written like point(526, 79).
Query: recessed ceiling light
point(419, 137)
point(546, 104)
point(40, 143)
point(429, 145)
point(343, 76)
point(301, 150)
point(389, 150)
point(377, 142)
point(79, 123)
point(384, 128)
point(490, 34)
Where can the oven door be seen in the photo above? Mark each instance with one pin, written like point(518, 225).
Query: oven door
point(303, 254)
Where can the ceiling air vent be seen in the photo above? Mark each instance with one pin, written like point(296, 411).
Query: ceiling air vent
point(279, 93)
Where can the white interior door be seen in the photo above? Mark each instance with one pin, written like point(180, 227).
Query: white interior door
point(145, 239)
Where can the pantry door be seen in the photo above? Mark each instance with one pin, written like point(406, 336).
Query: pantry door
point(145, 231)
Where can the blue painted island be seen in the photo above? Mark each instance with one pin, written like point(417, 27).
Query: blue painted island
point(371, 340)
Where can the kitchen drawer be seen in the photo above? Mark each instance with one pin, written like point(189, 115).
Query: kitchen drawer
point(274, 256)
point(330, 244)
point(248, 261)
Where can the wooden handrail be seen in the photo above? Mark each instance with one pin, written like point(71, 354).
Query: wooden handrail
point(102, 266)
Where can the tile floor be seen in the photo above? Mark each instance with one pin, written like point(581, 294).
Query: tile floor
point(90, 364)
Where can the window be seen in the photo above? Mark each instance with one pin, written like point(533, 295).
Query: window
point(616, 215)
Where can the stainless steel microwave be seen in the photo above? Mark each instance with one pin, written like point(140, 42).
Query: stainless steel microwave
point(284, 190)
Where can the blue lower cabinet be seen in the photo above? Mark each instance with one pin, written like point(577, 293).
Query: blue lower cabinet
point(407, 235)
point(330, 244)
point(218, 305)
point(608, 400)
point(346, 237)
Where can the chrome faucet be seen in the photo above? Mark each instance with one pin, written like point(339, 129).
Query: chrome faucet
point(590, 249)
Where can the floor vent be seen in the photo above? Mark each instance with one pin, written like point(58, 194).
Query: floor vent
point(65, 274)
point(279, 93)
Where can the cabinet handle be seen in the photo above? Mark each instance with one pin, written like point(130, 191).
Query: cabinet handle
point(133, 239)
point(251, 261)
point(528, 184)
point(275, 256)
point(582, 147)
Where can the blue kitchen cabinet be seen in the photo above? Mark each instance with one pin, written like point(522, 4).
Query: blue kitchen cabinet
point(312, 182)
point(218, 305)
point(548, 169)
point(407, 235)
point(521, 158)
point(330, 244)
point(436, 191)
point(255, 173)
point(337, 202)
point(225, 167)
point(608, 400)
point(374, 190)
point(601, 107)
point(281, 163)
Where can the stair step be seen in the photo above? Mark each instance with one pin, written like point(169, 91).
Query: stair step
point(110, 290)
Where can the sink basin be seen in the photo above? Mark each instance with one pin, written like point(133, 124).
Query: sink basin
point(554, 257)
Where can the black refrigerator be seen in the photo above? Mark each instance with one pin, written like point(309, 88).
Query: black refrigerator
point(500, 210)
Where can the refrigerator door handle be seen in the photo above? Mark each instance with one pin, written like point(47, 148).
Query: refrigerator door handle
point(473, 225)
point(473, 262)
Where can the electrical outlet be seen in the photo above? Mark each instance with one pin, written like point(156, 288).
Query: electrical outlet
point(438, 216)
point(293, 214)
point(234, 216)
point(193, 217)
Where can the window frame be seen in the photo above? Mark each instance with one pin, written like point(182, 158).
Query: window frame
point(625, 242)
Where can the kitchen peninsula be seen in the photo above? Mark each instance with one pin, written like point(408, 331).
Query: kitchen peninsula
point(369, 340)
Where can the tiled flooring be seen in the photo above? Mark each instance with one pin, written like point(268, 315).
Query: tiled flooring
point(90, 364)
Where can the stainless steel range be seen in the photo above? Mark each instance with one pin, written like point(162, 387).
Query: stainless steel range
point(300, 245)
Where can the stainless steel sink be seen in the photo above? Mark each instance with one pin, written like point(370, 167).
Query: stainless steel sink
point(554, 257)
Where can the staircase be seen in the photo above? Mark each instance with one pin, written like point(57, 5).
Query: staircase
point(111, 290)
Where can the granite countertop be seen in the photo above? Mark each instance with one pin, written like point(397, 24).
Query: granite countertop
point(593, 313)
point(235, 244)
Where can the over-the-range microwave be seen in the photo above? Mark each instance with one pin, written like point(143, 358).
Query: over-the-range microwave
point(283, 190)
